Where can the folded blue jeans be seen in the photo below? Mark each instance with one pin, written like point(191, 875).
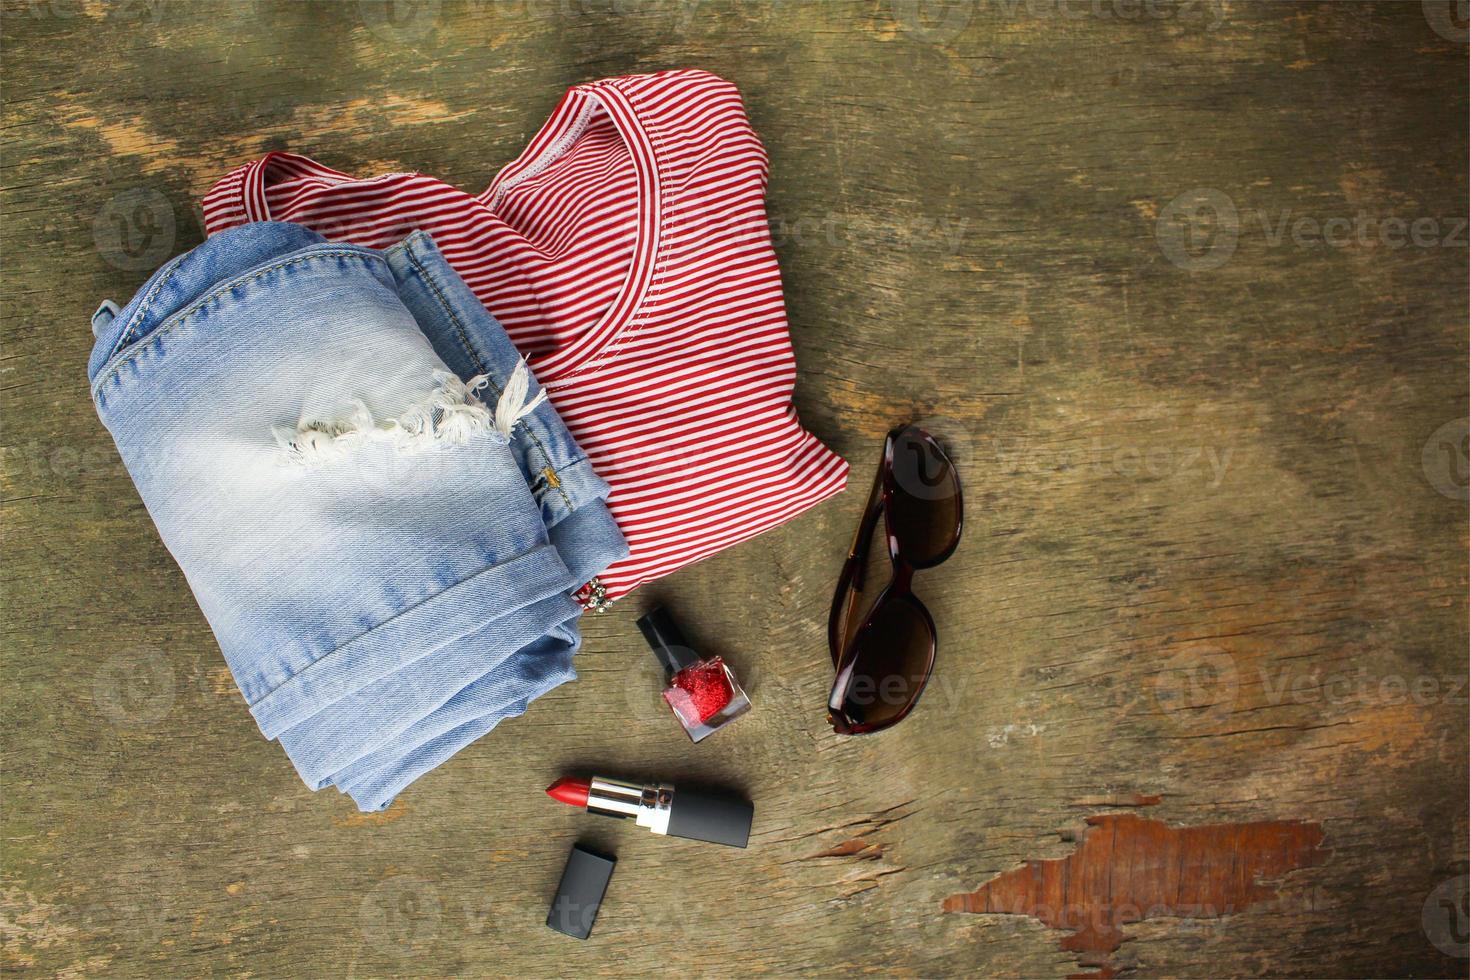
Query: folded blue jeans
point(386, 560)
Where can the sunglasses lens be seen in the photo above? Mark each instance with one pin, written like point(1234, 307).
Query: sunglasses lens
point(891, 659)
point(924, 509)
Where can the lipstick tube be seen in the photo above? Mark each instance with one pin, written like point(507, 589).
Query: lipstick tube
point(688, 813)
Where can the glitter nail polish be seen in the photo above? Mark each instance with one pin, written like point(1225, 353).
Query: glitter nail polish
point(702, 691)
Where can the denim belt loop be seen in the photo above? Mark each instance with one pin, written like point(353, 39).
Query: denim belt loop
point(105, 314)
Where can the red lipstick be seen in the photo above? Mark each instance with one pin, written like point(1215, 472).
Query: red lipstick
point(570, 790)
point(692, 814)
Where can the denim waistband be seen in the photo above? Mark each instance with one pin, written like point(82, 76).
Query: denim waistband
point(185, 278)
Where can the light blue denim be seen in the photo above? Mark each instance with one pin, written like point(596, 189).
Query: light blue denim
point(385, 559)
point(474, 344)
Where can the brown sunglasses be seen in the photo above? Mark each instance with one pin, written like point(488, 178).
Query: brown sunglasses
point(884, 657)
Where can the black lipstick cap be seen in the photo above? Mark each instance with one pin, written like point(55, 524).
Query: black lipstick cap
point(578, 897)
point(667, 640)
point(712, 817)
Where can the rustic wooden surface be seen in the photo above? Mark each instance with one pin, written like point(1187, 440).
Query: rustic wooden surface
point(1214, 573)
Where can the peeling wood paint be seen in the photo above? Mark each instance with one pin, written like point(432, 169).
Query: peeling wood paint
point(1129, 868)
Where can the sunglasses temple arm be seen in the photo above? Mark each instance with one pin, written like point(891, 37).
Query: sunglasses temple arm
point(863, 540)
point(856, 568)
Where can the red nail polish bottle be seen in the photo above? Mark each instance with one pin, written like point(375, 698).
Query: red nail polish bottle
point(702, 691)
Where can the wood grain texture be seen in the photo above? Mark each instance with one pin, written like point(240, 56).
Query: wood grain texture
point(1183, 287)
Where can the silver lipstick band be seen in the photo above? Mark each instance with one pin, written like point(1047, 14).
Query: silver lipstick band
point(650, 806)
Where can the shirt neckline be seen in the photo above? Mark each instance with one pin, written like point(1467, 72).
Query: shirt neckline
point(556, 136)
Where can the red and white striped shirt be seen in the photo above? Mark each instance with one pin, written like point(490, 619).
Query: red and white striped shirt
point(627, 254)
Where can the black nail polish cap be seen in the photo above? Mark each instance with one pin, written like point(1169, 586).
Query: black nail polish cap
point(667, 640)
point(579, 895)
